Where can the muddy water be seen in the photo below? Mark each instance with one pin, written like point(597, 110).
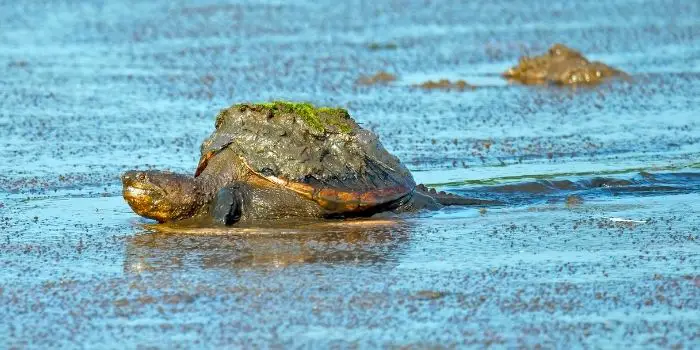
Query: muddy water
point(597, 242)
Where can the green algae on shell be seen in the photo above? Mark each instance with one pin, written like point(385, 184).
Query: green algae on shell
point(320, 119)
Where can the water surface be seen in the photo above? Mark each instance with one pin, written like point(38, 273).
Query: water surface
point(596, 243)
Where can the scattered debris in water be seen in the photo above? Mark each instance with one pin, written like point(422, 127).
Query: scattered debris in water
point(379, 78)
point(18, 64)
point(573, 201)
point(428, 295)
point(382, 46)
point(628, 221)
point(445, 84)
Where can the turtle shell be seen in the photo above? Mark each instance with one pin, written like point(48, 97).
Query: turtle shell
point(319, 153)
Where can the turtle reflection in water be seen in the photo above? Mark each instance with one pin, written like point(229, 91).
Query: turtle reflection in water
point(282, 160)
point(296, 243)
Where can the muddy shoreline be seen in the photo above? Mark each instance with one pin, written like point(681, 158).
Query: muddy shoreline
point(90, 90)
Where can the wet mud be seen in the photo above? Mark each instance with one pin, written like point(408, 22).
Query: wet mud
point(561, 65)
point(382, 46)
point(595, 246)
point(445, 84)
point(379, 78)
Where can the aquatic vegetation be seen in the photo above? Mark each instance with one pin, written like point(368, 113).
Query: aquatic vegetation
point(382, 46)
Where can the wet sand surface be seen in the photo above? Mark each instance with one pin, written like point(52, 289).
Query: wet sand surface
point(597, 242)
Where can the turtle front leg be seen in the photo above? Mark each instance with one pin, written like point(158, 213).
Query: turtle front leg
point(227, 205)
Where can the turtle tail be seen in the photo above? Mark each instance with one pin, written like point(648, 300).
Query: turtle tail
point(445, 198)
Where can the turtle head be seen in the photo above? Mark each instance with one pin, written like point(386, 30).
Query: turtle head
point(159, 195)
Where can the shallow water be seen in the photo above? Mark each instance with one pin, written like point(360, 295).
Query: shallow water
point(596, 242)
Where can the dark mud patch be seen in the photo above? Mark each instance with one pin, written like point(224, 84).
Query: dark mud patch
point(379, 78)
point(445, 84)
point(561, 65)
point(382, 46)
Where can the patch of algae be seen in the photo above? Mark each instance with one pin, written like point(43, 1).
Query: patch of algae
point(317, 118)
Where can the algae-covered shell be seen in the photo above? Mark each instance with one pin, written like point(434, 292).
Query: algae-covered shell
point(319, 153)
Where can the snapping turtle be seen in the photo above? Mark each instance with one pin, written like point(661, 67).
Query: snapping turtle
point(561, 65)
point(278, 160)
